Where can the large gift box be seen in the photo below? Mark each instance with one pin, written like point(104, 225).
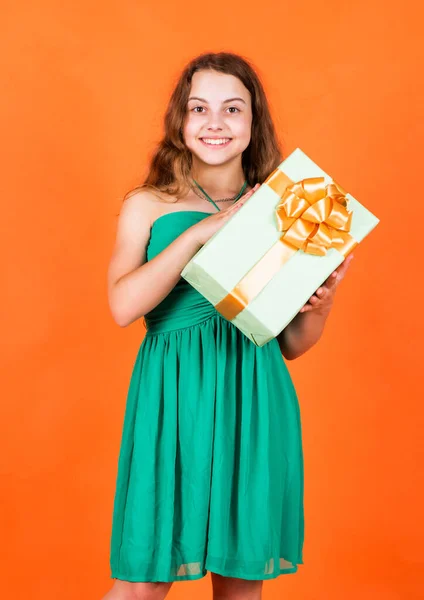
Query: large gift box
point(265, 262)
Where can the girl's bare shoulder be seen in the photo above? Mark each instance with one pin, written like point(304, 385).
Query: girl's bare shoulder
point(146, 205)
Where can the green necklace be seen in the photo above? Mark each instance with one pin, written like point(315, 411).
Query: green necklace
point(224, 199)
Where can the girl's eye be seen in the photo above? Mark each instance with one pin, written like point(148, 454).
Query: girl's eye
point(202, 108)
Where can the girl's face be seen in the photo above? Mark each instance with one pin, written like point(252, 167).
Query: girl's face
point(218, 124)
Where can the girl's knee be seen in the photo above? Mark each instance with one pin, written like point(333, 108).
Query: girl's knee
point(232, 588)
point(127, 590)
point(150, 591)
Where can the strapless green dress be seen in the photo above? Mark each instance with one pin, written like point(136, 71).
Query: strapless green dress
point(210, 469)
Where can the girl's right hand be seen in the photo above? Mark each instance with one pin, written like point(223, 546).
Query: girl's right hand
point(206, 228)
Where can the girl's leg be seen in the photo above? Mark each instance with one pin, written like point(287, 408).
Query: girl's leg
point(127, 590)
point(230, 588)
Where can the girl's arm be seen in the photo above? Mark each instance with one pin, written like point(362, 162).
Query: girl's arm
point(301, 334)
point(136, 286)
point(306, 328)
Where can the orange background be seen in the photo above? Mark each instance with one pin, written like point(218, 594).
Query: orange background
point(84, 89)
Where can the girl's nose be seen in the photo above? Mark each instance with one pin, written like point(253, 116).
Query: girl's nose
point(214, 128)
point(215, 122)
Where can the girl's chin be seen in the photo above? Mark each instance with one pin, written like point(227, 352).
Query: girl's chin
point(214, 157)
point(215, 160)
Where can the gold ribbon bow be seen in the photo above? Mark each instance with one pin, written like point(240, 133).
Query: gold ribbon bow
point(313, 217)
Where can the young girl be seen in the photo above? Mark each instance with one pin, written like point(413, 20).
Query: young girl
point(210, 472)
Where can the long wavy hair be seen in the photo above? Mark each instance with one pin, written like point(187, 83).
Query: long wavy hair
point(170, 166)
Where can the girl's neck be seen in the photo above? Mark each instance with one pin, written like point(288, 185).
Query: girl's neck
point(219, 181)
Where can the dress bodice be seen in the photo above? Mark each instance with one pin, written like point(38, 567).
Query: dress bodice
point(184, 306)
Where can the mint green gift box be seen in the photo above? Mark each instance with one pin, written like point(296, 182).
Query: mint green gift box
point(225, 259)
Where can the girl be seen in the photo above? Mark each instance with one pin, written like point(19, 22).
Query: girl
point(210, 471)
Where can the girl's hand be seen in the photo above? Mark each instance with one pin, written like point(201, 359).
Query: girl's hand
point(206, 228)
point(322, 301)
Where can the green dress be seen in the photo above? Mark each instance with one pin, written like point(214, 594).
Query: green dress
point(210, 470)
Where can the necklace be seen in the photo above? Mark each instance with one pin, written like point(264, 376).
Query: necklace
point(207, 197)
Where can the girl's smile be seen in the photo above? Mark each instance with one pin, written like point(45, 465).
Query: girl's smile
point(216, 143)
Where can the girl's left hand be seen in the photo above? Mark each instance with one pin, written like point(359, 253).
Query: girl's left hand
point(322, 301)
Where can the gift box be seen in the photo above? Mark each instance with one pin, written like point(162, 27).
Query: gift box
point(265, 262)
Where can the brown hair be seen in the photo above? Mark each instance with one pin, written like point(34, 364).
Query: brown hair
point(170, 166)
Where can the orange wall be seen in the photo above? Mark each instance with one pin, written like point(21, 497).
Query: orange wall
point(84, 88)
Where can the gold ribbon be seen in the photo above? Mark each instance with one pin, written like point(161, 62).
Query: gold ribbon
point(313, 217)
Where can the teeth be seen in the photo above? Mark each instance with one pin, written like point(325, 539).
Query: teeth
point(215, 142)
